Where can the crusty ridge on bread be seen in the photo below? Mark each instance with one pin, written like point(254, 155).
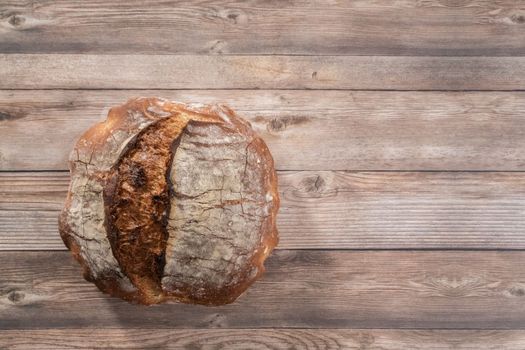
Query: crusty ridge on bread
point(137, 203)
point(221, 218)
point(171, 202)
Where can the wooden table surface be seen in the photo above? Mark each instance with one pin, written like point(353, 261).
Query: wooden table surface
point(398, 130)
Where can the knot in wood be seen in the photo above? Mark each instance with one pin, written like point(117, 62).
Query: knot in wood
point(518, 18)
point(16, 20)
point(315, 184)
point(15, 296)
point(276, 125)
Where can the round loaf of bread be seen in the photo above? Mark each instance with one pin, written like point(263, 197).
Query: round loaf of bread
point(171, 202)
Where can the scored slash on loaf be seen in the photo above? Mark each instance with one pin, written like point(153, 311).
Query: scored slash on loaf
point(171, 202)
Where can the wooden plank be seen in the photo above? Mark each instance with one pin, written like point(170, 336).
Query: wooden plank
point(77, 71)
point(323, 209)
point(305, 130)
point(277, 339)
point(381, 27)
point(301, 289)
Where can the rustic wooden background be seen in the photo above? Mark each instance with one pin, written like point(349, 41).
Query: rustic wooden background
point(398, 129)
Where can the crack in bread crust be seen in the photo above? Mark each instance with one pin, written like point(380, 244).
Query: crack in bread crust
point(137, 205)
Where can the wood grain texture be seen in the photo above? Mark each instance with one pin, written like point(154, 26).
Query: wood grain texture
point(298, 71)
point(429, 27)
point(326, 210)
point(305, 130)
point(259, 339)
point(76, 71)
point(301, 289)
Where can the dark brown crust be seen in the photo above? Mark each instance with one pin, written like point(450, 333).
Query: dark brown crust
point(137, 204)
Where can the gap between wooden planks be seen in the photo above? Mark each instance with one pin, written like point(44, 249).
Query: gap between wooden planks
point(301, 289)
point(325, 210)
point(305, 130)
point(276, 339)
point(362, 27)
point(85, 71)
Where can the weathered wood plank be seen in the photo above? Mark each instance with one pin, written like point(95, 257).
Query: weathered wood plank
point(77, 71)
point(381, 27)
point(301, 289)
point(305, 130)
point(276, 339)
point(345, 210)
